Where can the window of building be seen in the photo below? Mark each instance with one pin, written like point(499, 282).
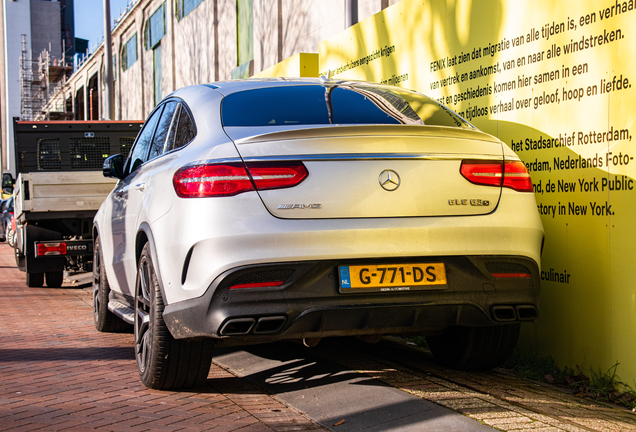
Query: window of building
point(184, 7)
point(155, 27)
point(245, 31)
point(156, 75)
point(244, 40)
point(128, 53)
point(103, 72)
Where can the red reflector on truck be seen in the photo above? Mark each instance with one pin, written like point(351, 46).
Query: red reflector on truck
point(43, 249)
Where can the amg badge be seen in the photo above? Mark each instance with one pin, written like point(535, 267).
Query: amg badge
point(472, 202)
point(299, 206)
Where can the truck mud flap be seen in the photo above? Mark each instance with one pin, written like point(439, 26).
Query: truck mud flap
point(34, 235)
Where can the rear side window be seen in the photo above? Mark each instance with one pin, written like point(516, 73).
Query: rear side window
point(333, 104)
point(163, 127)
point(186, 131)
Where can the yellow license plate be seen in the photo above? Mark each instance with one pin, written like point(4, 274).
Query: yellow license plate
point(392, 277)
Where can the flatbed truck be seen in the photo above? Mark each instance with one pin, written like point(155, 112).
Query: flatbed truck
point(58, 190)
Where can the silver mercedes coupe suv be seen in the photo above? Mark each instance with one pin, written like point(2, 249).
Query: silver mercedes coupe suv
point(261, 210)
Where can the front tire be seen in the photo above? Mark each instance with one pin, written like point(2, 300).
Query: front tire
point(105, 320)
point(163, 362)
point(474, 348)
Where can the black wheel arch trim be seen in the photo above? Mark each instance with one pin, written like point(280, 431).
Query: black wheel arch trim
point(145, 231)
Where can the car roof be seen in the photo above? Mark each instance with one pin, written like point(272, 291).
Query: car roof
point(228, 87)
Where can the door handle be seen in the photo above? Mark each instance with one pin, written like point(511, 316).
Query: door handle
point(140, 186)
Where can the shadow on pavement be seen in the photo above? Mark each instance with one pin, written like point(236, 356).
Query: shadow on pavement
point(315, 383)
point(61, 353)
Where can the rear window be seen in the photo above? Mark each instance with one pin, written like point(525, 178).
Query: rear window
point(333, 104)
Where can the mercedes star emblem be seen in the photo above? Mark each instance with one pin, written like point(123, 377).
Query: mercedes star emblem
point(389, 180)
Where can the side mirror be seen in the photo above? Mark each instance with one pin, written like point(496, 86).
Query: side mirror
point(114, 166)
point(7, 183)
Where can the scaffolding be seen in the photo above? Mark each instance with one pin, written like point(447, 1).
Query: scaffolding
point(40, 83)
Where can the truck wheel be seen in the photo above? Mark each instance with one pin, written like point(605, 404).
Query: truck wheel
point(105, 320)
point(35, 280)
point(162, 361)
point(54, 279)
point(20, 260)
point(474, 348)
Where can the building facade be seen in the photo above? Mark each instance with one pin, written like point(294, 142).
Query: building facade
point(159, 46)
point(31, 31)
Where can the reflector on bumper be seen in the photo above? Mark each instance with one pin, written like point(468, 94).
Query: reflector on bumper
point(43, 249)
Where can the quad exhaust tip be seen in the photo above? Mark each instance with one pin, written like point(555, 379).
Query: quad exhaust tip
point(311, 342)
point(256, 326)
point(505, 313)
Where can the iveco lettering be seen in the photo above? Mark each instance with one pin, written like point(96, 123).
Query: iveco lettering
point(254, 211)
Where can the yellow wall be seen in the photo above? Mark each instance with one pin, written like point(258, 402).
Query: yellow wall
point(509, 67)
point(298, 65)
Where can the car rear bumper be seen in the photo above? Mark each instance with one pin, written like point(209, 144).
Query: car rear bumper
point(309, 303)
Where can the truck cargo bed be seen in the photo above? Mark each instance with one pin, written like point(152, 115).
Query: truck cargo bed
point(77, 191)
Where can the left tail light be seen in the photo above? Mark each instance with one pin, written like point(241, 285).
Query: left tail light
point(43, 249)
point(513, 175)
point(229, 179)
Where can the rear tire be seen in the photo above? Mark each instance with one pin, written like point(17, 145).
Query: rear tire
point(474, 348)
point(163, 362)
point(35, 280)
point(105, 320)
point(54, 279)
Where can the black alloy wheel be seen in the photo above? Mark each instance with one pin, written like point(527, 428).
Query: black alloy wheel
point(143, 334)
point(162, 361)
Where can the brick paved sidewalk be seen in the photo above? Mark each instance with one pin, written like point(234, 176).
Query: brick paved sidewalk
point(496, 398)
point(58, 373)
